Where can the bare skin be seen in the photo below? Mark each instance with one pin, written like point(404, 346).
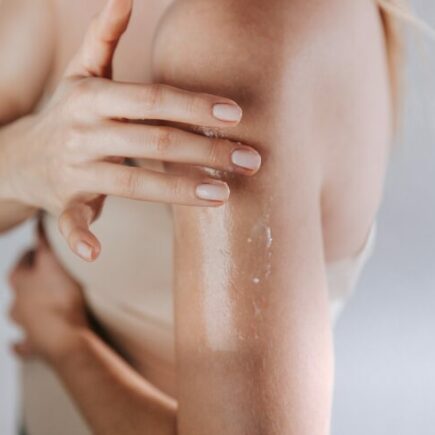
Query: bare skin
point(68, 156)
point(251, 296)
point(252, 322)
point(48, 299)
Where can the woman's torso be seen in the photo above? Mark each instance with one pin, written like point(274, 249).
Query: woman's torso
point(129, 289)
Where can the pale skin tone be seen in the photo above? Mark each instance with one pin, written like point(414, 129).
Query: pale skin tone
point(48, 299)
point(265, 354)
point(80, 137)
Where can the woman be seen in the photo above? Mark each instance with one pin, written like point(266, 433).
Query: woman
point(256, 278)
point(47, 155)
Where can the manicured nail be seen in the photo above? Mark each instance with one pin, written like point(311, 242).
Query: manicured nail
point(248, 159)
point(227, 112)
point(84, 250)
point(213, 192)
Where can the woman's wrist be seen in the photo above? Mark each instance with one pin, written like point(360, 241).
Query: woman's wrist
point(13, 211)
point(68, 346)
point(10, 150)
point(10, 153)
point(5, 165)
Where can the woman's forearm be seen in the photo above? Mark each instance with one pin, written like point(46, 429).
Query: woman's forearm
point(112, 397)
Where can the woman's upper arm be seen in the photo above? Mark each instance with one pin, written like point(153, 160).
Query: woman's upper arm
point(252, 315)
point(26, 47)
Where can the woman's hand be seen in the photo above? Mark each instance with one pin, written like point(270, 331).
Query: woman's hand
point(48, 304)
point(67, 157)
point(111, 396)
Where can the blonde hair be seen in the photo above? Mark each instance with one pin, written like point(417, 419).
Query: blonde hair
point(394, 39)
point(394, 15)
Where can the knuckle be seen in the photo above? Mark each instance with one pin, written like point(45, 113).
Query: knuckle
point(79, 183)
point(78, 91)
point(163, 140)
point(129, 182)
point(195, 105)
point(216, 151)
point(75, 139)
point(153, 96)
point(179, 188)
point(79, 94)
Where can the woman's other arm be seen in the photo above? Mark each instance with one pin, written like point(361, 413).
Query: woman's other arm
point(111, 396)
point(252, 312)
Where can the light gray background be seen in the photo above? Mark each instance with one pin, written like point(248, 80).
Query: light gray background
point(385, 380)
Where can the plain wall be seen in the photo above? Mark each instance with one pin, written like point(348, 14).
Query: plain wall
point(385, 341)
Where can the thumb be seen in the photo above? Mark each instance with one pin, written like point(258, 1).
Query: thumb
point(96, 53)
point(74, 224)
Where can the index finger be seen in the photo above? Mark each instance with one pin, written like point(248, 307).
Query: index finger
point(95, 56)
point(163, 102)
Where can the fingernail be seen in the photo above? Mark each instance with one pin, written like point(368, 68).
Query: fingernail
point(227, 112)
point(84, 250)
point(213, 192)
point(248, 159)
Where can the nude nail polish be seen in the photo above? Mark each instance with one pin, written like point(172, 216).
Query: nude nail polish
point(227, 112)
point(84, 250)
point(213, 192)
point(248, 159)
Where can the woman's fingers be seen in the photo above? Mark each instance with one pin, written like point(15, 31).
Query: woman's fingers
point(95, 56)
point(74, 224)
point(133, 101)
point(23, 350)
point(27, 260)
point(146, 185)
point(173, 145)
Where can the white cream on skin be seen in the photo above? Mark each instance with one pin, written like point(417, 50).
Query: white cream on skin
point(262, 232)
point(217, 258)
